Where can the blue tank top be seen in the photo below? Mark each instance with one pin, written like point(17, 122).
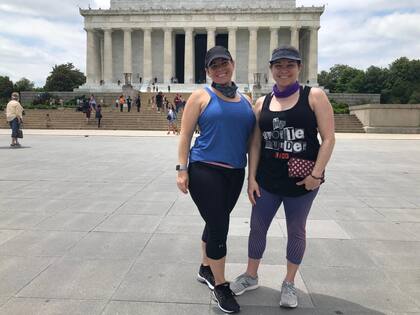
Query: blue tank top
point(225, 128)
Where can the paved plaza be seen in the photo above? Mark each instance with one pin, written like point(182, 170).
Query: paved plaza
point(95, 225)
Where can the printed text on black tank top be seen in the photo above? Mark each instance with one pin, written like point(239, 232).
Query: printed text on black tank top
point(286, 139)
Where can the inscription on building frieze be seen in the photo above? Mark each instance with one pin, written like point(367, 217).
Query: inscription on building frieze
point(200, 4)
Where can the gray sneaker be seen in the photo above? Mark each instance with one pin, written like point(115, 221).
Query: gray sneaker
point(243, 283)
point(288, 296)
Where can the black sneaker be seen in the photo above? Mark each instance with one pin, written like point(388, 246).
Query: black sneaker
point(223, 295)
point(206, 276)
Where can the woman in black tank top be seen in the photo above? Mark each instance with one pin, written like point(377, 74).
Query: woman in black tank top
point(285, 140)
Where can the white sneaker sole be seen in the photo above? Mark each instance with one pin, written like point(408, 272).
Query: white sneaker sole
point(204, 280)
point(288, 305)
point(252, 287)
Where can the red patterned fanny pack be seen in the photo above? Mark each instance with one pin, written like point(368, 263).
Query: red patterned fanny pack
point(300, 168)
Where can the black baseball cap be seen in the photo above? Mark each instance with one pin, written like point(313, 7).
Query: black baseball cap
point(285, 52)
point(216, 52)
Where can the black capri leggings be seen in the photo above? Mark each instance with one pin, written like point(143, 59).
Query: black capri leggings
point(215, 190)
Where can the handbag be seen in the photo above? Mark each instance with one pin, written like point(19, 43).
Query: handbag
point(20, 134)
point(300, 168)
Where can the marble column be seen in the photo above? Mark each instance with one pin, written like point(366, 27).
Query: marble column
point(92, 58)
point(167, 56)
point(253, 48)
point(232, 47)
point(128, 67)
point(189, 63)
point(147, 56)
point(294, 37)
point(313, 56)
point(108, 56)
point(274, 43)
point(211, 37)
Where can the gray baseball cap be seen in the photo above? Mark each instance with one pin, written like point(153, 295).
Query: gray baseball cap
point(285, 52)
point(215, 53)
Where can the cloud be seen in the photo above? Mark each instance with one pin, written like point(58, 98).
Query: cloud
point(366, 33)
point(47, 33)
point(36, 35)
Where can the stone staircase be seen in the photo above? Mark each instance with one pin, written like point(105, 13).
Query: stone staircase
point(348, 124)
point(113, 119)
point(147, 119)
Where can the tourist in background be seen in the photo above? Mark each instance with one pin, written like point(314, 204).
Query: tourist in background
point(171, 117)
point(14, 116)
point(128, 103)
point(138, 102)
point(177, 102)
point(98, 114)
point(213, 169)
point(121, 102)
point(87, 109)
point(92, 102)
point(283, 146)
point(159, 101)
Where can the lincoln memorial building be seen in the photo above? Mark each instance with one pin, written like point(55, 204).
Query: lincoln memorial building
point(139, 42)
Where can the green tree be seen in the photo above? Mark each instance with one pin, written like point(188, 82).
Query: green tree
point(23, 85)
point(64, 78)
point(323, 79)
point(343, 78)
point(375, 79)
point(6, 88)
point(348, 79)
point(415, 97)
point(403, 80)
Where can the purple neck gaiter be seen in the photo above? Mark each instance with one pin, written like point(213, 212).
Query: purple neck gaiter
point(291, 89)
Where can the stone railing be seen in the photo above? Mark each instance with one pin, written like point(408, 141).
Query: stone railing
point(388, 118)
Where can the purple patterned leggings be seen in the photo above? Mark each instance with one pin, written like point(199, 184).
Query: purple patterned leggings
point(296, 211)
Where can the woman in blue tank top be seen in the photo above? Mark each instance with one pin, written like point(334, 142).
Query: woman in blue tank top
point(213, 169)
point(286, 165)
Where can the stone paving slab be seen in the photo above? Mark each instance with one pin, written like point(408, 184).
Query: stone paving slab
point(362, 286)
point(78, 279)
point(106, 245)
point(40, 243)
point(25, 306)
point(155, 308)
point(96, 225)
point(17, 272)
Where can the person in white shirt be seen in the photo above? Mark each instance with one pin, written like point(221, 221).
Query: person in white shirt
point(14, 116)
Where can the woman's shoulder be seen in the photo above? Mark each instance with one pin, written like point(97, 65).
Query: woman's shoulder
point(259, 103)
point(316, 92)
point(198, 94)
point(318, 100)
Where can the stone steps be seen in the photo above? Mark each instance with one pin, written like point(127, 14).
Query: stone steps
point(348, 124)
point(147, 119)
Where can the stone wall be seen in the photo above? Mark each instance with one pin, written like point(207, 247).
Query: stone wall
point(108, 98)
point(355, 99)
point(388, 118)
point(29, 96)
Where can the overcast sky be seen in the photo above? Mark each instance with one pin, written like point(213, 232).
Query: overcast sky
point(37, 34)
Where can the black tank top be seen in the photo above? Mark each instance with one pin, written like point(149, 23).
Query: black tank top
point(285, 134)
